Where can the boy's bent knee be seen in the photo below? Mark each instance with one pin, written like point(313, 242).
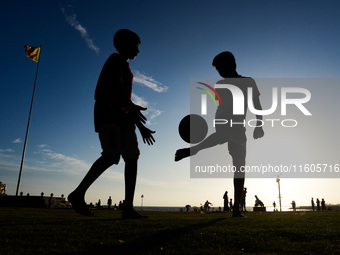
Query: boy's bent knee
point(131, 157)
point(111, 157)
point(131, 154)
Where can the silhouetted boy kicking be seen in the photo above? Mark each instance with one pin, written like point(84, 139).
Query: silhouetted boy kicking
point(235, 134)
point(115, 118)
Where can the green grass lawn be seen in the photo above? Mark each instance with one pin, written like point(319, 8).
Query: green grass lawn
point(62, 231)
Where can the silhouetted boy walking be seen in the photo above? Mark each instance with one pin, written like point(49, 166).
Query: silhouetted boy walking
point(115, 118)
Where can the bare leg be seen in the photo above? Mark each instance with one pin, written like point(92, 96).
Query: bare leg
point(77, 197)
point(130, 181)
point(238, 188)
point(211, 141)
point(130, 186)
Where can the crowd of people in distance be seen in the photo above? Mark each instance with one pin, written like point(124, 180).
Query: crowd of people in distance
point(318, 208)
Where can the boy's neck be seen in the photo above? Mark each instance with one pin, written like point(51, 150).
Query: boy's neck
point(124, 58)
point(232, 75)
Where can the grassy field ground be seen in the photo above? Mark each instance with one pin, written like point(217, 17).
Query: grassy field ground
point(62, 231)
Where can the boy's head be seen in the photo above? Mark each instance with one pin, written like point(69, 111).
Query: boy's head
point(126, 43)
point(225, 64)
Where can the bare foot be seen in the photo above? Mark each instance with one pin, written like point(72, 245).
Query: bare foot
point(182, 153)
point(78, 204)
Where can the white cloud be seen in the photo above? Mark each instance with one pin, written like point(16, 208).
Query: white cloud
point(149, 82)
point(155, 113)
point(18, 140)
point(72, 20)
point(6, 150)
point(63, 162)
point(45, 160)
point(139, 101)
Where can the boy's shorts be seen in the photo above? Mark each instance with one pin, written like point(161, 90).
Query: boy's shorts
point(237, 140)
point(117, 140)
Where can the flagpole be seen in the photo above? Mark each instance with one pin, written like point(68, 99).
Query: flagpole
point(28, 125)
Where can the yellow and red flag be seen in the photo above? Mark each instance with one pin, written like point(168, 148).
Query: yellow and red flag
point(32, 52)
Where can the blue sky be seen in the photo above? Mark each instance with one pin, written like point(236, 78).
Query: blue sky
point(281, 39)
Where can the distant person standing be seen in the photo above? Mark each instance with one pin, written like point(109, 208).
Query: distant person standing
point(50, 201)
point(313, 204)
point(294, 205)
point(317, 204)
point(225, 198)
point(274, 205)
point(109, 202)
point(231, 205)
point(323, 205)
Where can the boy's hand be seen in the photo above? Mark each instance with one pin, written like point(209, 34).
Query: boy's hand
point(258, 132)
point(136, 114)
point(146, 134)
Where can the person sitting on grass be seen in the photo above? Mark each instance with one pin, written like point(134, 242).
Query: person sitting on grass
point(115, 118)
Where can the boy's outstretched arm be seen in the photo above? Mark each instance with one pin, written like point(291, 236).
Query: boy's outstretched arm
point(258, 131)
point(146, 134)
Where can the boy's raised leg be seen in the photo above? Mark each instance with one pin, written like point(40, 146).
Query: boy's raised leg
point(211, 141)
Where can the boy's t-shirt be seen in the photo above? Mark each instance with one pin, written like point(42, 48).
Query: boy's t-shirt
point(225, 111)
point(113, 94)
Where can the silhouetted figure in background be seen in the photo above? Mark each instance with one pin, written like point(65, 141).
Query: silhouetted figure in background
point(207, 206)
point(109, 203)
point(258, 202)
point(50, 201)
point(235, 136)
point(98, 205)
point(294, 205)
point(317, 204)
point(313, 204)
point(323, 205)
point(115, 120)
point(274, 205)
point(231, 204)
point(225, 198)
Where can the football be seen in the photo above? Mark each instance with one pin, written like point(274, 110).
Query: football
point(193, 128)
